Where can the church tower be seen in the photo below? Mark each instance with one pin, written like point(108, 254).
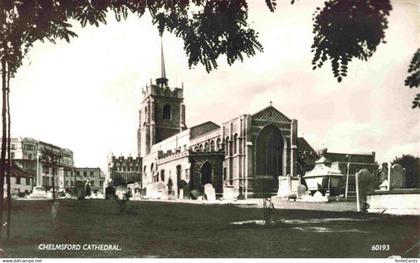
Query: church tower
point(161, 114)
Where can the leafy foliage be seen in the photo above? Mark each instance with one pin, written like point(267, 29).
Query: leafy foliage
point(345, 30)
point(413, 79)
point(220, 28)
point(412, 169)
point(209, 28)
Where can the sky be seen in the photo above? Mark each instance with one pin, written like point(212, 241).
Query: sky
point(85, 95)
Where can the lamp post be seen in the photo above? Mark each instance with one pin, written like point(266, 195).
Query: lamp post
point(357, 192)
point(347, 177)
point(38, 179)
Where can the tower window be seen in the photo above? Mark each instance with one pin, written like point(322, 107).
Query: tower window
point(167, 113)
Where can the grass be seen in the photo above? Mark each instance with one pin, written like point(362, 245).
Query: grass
point(157, 229)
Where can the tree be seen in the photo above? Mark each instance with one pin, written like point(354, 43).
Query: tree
point(345, 30)
point(412, 169)
point(413, 79)
point(51, 158)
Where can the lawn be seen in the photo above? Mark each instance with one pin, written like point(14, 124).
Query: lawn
point(157, 229)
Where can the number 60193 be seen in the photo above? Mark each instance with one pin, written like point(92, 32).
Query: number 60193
point(382, 247)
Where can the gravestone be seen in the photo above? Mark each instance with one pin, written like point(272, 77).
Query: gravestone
point(137, 194)
point(301, 191)
point(164, 194)
point(194, 194)
point(210, 192)
point(318, 196)
point(229, 194)
point(397, 177)
point(160, 187)
point(186, 191)
point(367, 183)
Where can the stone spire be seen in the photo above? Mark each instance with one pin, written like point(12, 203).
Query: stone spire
point(162, 61)
point(163, 81)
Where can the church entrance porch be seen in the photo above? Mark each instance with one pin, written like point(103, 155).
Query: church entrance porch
point(206, 168)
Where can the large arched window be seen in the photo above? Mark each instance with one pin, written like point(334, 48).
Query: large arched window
point(269, 150)
point(167, 112)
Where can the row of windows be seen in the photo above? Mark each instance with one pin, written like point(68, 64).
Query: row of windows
point(92, 183)
point(23, 180)
point(212, 146)
point(232, 147)
point(29, 147)
point(129, 168)
point(85, 174)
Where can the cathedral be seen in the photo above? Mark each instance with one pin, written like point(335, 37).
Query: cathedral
point(250, 155)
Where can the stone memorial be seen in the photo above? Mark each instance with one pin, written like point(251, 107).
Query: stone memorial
point(318, 196)
point(186, 192)
point(38, 192)
point(397, 177)
point(194, 194)
point(301, 191)
point(164, 195)
point(229, 194)
point(367, 183)
point(210, 192)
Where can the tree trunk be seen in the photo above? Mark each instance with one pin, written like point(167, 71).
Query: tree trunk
point(3, 140)
point(53, 179)
point(9, 161)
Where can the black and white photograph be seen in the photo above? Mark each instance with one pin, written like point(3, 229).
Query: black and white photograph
point(209, 129)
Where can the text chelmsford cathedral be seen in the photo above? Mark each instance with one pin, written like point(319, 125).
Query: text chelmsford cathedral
point(246, 155)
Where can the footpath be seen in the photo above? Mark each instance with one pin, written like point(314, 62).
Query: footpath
point(279, 203)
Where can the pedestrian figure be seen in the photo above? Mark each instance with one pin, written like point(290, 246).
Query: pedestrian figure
point(122, 201)
point(268, 208)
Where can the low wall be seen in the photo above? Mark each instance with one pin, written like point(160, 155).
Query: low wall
point(396, 202)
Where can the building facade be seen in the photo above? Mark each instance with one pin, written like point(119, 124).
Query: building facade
point(21, 182)
point(94, 176)
point(26, 154)
point(124, 170)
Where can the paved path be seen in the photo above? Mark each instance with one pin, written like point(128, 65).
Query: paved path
point(279, 203)
point(338, 206)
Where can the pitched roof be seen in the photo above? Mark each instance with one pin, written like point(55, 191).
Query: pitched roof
point(16, 171)
point(304, 146)
point(203, 128)
point(270, 114)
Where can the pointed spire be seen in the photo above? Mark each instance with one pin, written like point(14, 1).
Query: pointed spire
point(162, 60)
point(162, 81)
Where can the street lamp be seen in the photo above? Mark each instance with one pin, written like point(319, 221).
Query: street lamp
point(347, 177)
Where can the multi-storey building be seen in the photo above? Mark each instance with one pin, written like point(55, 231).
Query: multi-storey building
point(124, 170)
point(92, 175)
point(27, 155)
